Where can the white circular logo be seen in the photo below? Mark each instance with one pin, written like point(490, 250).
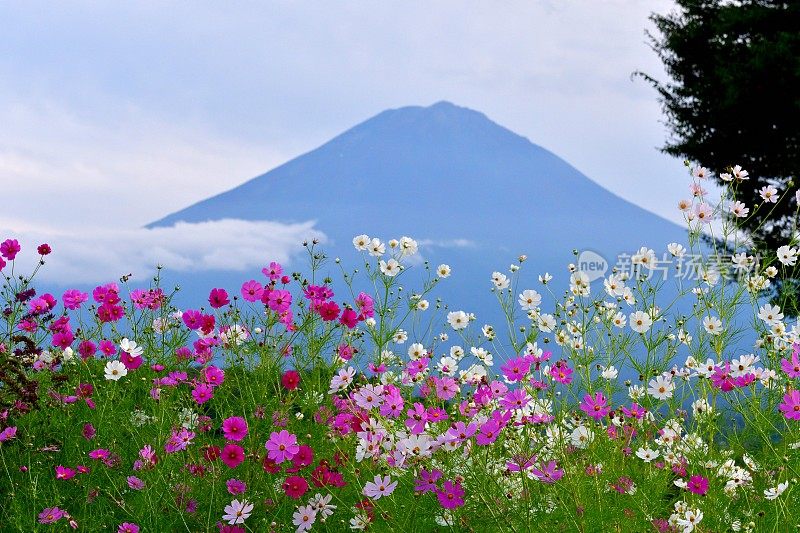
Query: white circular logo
point(592, 264)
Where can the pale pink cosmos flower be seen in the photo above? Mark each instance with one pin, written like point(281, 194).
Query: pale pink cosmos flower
point(381, 486)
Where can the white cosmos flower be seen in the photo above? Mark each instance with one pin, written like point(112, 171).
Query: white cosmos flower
point(458, 319)
point(545, 278)
point(640, 321)
point(390, 268)
point(443, 271)
point(546, 323)
point(690, 520)
point(676, 250)
point(713, 325)
point(610, 373)
point(660, 387)
point(740, 210)
point(787, 255)
point(769, 194)
point(130, 347)
point(376, 248)
point(500, 280)
point(530, 299)
point(773, 493)
point(646, 454)
point(361, 242)
point(408, 246)
point(115, 370)
point(237, 512)
point(417, 351)
point(304, 517)
point(740, 174)
point(704, 213)
point(645, 257)
point(770, 314)
point(581, 437)
point(579, 283)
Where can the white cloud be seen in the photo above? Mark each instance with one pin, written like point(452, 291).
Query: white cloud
point(126, 169)
point(100, 255)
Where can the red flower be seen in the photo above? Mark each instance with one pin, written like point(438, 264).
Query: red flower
point(295, 487)
point(44, 249)
point(290, 380)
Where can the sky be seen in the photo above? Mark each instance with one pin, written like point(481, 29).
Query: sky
point(114, 115)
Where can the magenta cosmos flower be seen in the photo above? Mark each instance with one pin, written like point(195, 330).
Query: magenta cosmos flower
point(595, 406)
point(791, 405)
point(697, 485)
point(232, 455)
point(234, 428)
point(792, 367)
point(451, 495)
point(282, 446)
point(51, 515)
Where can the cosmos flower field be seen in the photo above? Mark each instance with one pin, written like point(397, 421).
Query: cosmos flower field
point(299, 402)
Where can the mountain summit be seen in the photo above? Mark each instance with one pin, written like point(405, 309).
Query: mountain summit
point(438, 172)
point(477, 193)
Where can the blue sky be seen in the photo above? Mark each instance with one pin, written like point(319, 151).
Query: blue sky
point(117, 114)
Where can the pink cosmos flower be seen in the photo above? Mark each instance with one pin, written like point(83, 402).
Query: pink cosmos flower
point(10, 248)
point(218, 298)
point(73, 298)
point(64, 472)
point(252, 290)
point(516, 399)
point(282, 446)
point(697, 485)
point(135, 483)
point(234, 428)
point(488, 433)
point(232, 455)
point(38, 306)
point(235, 486)
point(516, 369)
point(179, 440)
point(792, 368)
point(202, 392)
point(791, 405)
point(131, 362)
point(379, 487)
point(446, 388)
point(461, 432)
point(51, 515)
point(128, 527)
point(303, 458)
point(290, 380)
point(595, 406)
point(369, 396)
point(107, 347)
point(549, 473)
point(273, 272)
point(561, 373)
point(8, 433)
point(328, 311)
point(349, 318)
point(213, 375)
point(427, 480)
point(279, 300)
point(295, 487)
point(417, 418)
point(451, 495)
